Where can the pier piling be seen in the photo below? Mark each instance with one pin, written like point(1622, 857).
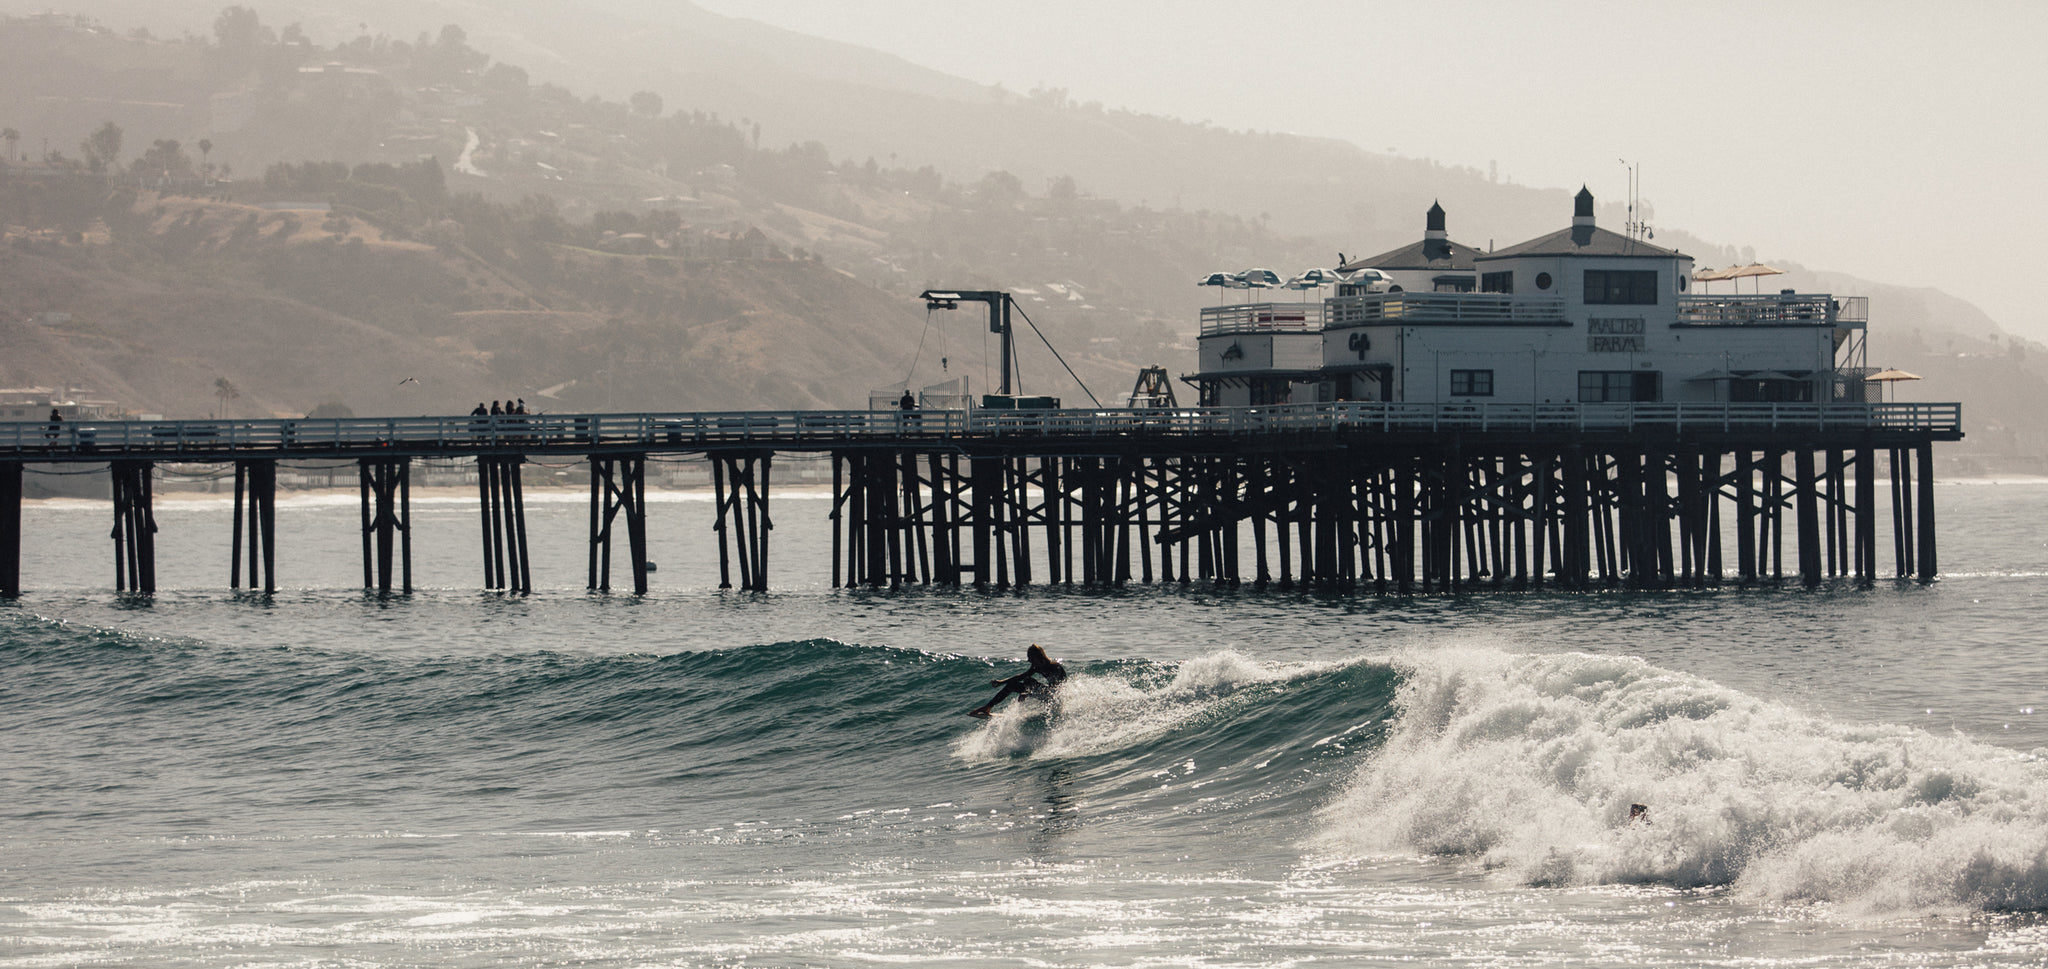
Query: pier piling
point(10, 530)
point(386, 492)
point(506, 564)
point(255, 503)
point(618, 485)
point(134, 526)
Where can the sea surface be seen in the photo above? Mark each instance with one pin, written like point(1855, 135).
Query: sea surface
point(1232, 777)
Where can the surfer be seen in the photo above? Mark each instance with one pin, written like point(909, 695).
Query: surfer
point(1026, 684)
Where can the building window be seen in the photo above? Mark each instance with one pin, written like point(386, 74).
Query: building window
point(1748, 390)
point(1471, 383)
point(1542, 280)
point(1622, 386)
point(1497, 282)
point(1271, 390)
point(1633, 287)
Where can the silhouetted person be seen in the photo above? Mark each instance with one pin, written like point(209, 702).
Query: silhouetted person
point(495, 409)
point(481, 410)
point(1025, 683)
point(908, 402)
point(56, 425)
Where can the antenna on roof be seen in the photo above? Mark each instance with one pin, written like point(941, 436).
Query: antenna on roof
point(1633, 228)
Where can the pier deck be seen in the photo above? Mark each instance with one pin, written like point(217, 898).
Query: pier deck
point(1051, 430)
point(1386, 496)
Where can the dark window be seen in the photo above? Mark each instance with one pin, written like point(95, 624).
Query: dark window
point(1609, 386)
point(1770, 391)
point(1542, 280)
point(1497, 282)
point(1471, 383)
point(1453, 284)
point(1633, 287)
point(1271, 390)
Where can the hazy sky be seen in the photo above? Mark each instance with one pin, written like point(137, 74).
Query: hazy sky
point(1899, 141)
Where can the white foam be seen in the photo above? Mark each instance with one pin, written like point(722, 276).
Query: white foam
point(1098, 714)
point(1528, 765)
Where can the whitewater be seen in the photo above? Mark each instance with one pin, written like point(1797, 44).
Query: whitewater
point(1838, 777)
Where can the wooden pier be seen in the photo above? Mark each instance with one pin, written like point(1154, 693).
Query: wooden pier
point(1385, 497)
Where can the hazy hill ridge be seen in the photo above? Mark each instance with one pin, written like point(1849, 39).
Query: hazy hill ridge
point(673, 229)
point(614, 254)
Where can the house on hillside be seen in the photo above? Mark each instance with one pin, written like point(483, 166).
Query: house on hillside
point(36, 403)
point(738, 241)
point(1580, 315)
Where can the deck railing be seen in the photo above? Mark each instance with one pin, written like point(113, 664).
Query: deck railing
point(1486, 308)
point(1817, 309)
point(1298, 317)
point(212, 439)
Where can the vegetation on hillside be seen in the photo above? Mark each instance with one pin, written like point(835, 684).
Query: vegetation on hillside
point(446, 213)
point(617, 257)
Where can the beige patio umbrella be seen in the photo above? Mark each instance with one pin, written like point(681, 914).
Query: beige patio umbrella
point(1889, 377)
point(1754, 270)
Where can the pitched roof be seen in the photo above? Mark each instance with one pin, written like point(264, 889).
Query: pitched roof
point(1422, 254)
point(1582, 240)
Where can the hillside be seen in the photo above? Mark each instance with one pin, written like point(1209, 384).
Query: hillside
point(661, 252)
point(759, 278)
point(295, 315)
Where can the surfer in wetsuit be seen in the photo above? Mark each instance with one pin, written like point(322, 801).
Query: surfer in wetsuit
point(1025, 684)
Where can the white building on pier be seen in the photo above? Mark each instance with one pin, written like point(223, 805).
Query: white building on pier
point(1581, 315)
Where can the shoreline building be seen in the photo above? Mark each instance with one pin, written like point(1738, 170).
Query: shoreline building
point(1582, 315)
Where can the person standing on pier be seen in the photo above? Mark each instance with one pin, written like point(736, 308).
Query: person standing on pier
point(906, 412)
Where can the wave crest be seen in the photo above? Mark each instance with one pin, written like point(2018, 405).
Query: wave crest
point(1529, 765)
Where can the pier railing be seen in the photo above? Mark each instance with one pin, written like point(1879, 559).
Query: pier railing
point(826, 429)
point(1395, 417)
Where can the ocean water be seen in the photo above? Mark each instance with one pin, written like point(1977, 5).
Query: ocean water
point(1836, 777)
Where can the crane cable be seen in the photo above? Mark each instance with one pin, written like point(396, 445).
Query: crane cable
point(1055, 352)
point(919, 355)
point(945, 364)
